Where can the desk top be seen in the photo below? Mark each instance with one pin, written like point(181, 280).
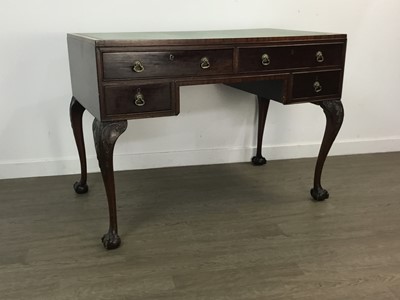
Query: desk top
point(209, 37)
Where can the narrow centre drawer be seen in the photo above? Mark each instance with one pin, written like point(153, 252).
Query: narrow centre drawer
point(133, 99)
point(174, 63)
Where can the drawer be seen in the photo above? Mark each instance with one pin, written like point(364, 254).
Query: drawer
point(323, 55)
point(316, 84)
point(175, 63)
point(261, 59)
point(137, 99)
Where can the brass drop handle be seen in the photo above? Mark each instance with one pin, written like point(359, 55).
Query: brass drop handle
point(319, 56)
point(137, 67)
point(317, 87)
point(205, 63)
point(139, 99)
point(265, 61)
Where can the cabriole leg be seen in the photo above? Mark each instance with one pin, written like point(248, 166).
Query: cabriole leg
point(105, 135)
point(263, 105)
point(334, 113)
point(76, 111)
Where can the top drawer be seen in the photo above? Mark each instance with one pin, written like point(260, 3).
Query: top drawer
point(128, 65)
point(260, 59)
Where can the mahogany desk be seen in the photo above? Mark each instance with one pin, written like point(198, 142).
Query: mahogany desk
point(121, 76)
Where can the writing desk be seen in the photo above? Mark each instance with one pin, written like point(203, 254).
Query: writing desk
point(122, 76)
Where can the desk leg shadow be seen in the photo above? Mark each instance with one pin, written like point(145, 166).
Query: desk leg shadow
point(334, 113)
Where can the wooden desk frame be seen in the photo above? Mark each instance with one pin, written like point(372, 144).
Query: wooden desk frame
point(114, 77)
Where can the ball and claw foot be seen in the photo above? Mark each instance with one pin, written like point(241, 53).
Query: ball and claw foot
point(258, 160)
point(80, 188)
point(319, 194)
point(111, 240)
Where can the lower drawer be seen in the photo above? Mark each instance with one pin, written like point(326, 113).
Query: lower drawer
point(144, 100)
point(316, 84)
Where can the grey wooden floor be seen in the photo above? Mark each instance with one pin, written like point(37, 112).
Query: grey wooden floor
point(208, 232)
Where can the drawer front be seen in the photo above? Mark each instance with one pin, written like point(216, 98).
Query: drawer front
point(316, 84)
point(324, 55)
point(263, 59)
point(128, 65)
point(140, 99)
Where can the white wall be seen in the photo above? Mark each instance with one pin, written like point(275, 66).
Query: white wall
point(216, 124)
